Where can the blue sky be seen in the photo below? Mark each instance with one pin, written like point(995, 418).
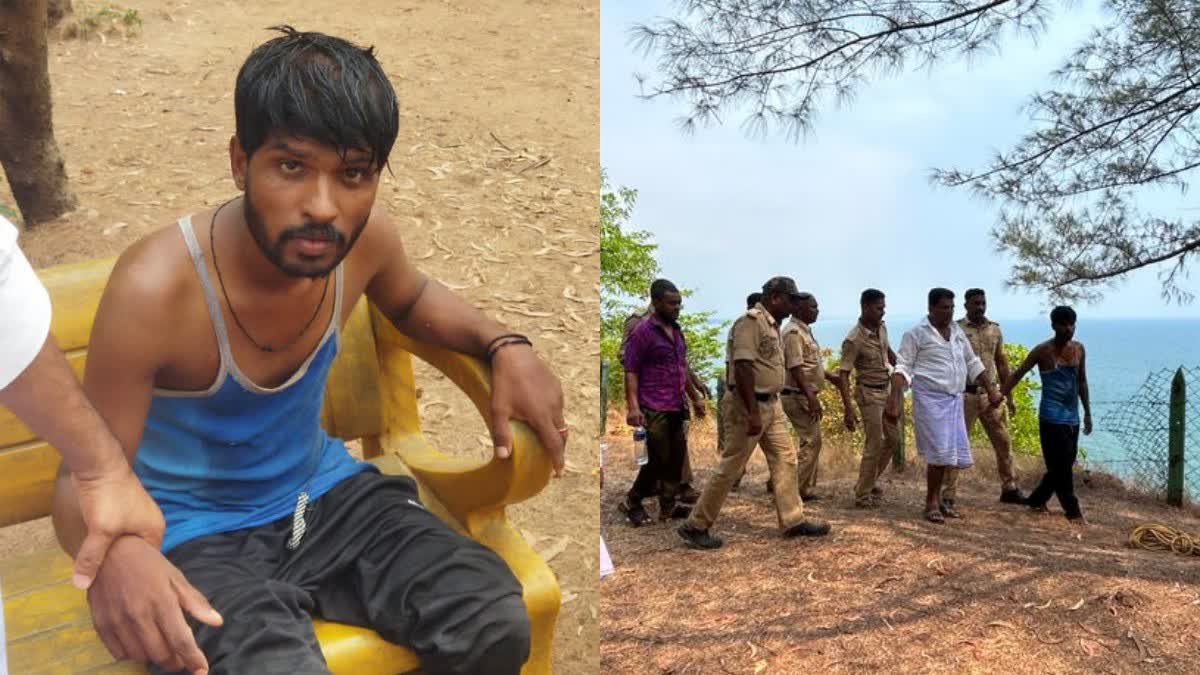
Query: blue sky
point(851, 206)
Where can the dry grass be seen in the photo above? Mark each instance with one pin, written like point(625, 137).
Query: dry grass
point(1000, 591)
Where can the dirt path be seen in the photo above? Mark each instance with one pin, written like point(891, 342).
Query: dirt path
point(495, 181)
point(1000, 591)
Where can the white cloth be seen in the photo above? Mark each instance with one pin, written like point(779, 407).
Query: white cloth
point(24, 308)
point(940, 364)
point(606, 566)
point(940, 428)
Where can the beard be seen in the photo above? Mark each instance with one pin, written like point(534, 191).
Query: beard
point(273, 251)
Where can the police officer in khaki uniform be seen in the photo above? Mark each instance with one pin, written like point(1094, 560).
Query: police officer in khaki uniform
point(866, 352)
point(805, 379)
point(988, 342)
point(753, 415)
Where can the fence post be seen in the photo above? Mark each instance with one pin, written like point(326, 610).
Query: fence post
point(603, 394)
point(1175, 445)
point(720, 422)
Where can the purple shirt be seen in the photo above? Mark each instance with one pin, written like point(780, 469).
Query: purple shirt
point(660, 364)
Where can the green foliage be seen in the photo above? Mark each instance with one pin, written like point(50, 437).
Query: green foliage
point(10, 213)
point(1023, 426)
point(627, 267)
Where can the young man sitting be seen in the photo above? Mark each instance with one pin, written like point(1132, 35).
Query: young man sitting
point(208, 359)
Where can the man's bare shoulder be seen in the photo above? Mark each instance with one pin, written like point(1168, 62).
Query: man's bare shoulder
point(151, 276)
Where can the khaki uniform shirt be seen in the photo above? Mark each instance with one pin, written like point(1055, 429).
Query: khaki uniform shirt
point(984, 340)
point(755, 337)
point(800, 348)
point(866, 353)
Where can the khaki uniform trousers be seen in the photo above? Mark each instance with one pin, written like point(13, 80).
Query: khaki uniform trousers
point(881, 437)
point(781, 458)
point(808, 440)
point(975, 407)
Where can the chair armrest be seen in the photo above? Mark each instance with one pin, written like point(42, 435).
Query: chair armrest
point(464, 485)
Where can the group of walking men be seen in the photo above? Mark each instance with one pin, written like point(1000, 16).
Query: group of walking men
point(957, 371)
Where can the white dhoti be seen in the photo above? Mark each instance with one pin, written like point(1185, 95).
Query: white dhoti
point(940, 428)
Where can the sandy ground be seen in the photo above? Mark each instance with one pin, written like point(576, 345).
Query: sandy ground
point(496, 183)
point(1000, 591)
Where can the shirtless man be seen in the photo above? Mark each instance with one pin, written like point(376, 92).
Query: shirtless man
point(208, 359)
point(1061, 362)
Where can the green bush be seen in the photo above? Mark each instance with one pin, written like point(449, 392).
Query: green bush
point(627, 268)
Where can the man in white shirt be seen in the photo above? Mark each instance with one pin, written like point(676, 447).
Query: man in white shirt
point(37, 385)
point(936, 360)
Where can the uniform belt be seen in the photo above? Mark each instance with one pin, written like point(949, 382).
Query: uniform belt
point(763, 398)
point(791, 391)
point(873, 386)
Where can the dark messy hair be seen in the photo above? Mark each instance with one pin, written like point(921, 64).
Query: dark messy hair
point(661, 287)
point(753, 299)
point(936, 295)
point(870, 295)
point(316, 86)
point(972, 292)
point(1062, 316)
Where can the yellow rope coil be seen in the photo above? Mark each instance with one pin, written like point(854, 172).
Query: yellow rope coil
point(1156, 537)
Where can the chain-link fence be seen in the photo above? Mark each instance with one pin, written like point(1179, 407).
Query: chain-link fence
point(1142, 426)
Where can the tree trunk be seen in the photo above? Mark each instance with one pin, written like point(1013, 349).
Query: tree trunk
point(28, 151)
point(56, 11)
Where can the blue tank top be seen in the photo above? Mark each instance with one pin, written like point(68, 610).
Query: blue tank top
point(238, 455)
point(1060, 396)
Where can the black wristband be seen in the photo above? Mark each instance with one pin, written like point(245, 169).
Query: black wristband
point(488, 350)
point(512, 340)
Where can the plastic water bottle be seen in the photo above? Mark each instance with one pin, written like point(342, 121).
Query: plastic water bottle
point(640, 454)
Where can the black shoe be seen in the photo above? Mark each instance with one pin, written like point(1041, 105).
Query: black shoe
point(697, 538)
point(876, 491)
point(808, 528)
point(811, 498)
point(770, 488)
point(687, 494)
point(673, 511)
point(1012, 496)
point(948, 510)
point(1036, 508)
point(634, 511)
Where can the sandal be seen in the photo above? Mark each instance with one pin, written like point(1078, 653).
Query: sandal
point(948, 509)
point(935, 516)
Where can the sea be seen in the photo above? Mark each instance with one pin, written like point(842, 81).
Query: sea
point(1129, 362)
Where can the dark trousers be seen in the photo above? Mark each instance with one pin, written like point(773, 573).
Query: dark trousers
point(1060, 445)
point(371, 556)
point(666, 444)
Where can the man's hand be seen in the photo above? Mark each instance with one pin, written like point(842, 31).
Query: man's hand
point(814, 404)
point(891, 410)
point(1087, 423)
point(995, 398)
point(113, 503)
point(635, 418)
point(1012, 406)
point(700, 409)
point(848, 418)
point(754, 425)
point(137, 604)
point(524, 388)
